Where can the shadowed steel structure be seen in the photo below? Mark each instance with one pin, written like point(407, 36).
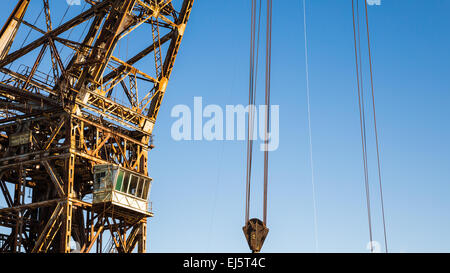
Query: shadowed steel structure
point(70, 101)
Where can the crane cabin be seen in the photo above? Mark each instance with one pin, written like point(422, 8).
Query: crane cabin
point(121, 191)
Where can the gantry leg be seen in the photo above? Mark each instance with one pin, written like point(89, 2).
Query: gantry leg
point(66, 231)
point(142, 238)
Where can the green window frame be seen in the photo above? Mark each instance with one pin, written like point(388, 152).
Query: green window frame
point(119, 180)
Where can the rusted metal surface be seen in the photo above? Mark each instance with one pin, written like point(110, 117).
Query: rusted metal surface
point(255, 232)
point(9, 30)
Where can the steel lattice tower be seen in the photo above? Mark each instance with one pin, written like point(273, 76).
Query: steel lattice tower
point(68, 105)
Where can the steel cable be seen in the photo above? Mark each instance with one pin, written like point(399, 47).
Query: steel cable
point(267, 101)
point(308, 98)
point(254, 56)
point(362, 118)
point(376, 130)
point(251, 103)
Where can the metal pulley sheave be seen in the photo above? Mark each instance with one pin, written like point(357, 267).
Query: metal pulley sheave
point(255, 232)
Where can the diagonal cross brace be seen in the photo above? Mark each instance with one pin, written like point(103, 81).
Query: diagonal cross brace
point(54, 178)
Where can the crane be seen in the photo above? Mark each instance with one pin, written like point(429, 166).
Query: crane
point(77, 137)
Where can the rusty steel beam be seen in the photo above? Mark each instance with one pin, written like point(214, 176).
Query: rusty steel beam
point(9, 30)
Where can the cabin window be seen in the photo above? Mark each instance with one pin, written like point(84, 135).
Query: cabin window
point(99, 181)
point(140, 187)
point(146, 185)
point(126, 182)
point(133, 185)
point(119, 181)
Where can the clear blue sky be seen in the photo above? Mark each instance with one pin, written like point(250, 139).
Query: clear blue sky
point(199, 186)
